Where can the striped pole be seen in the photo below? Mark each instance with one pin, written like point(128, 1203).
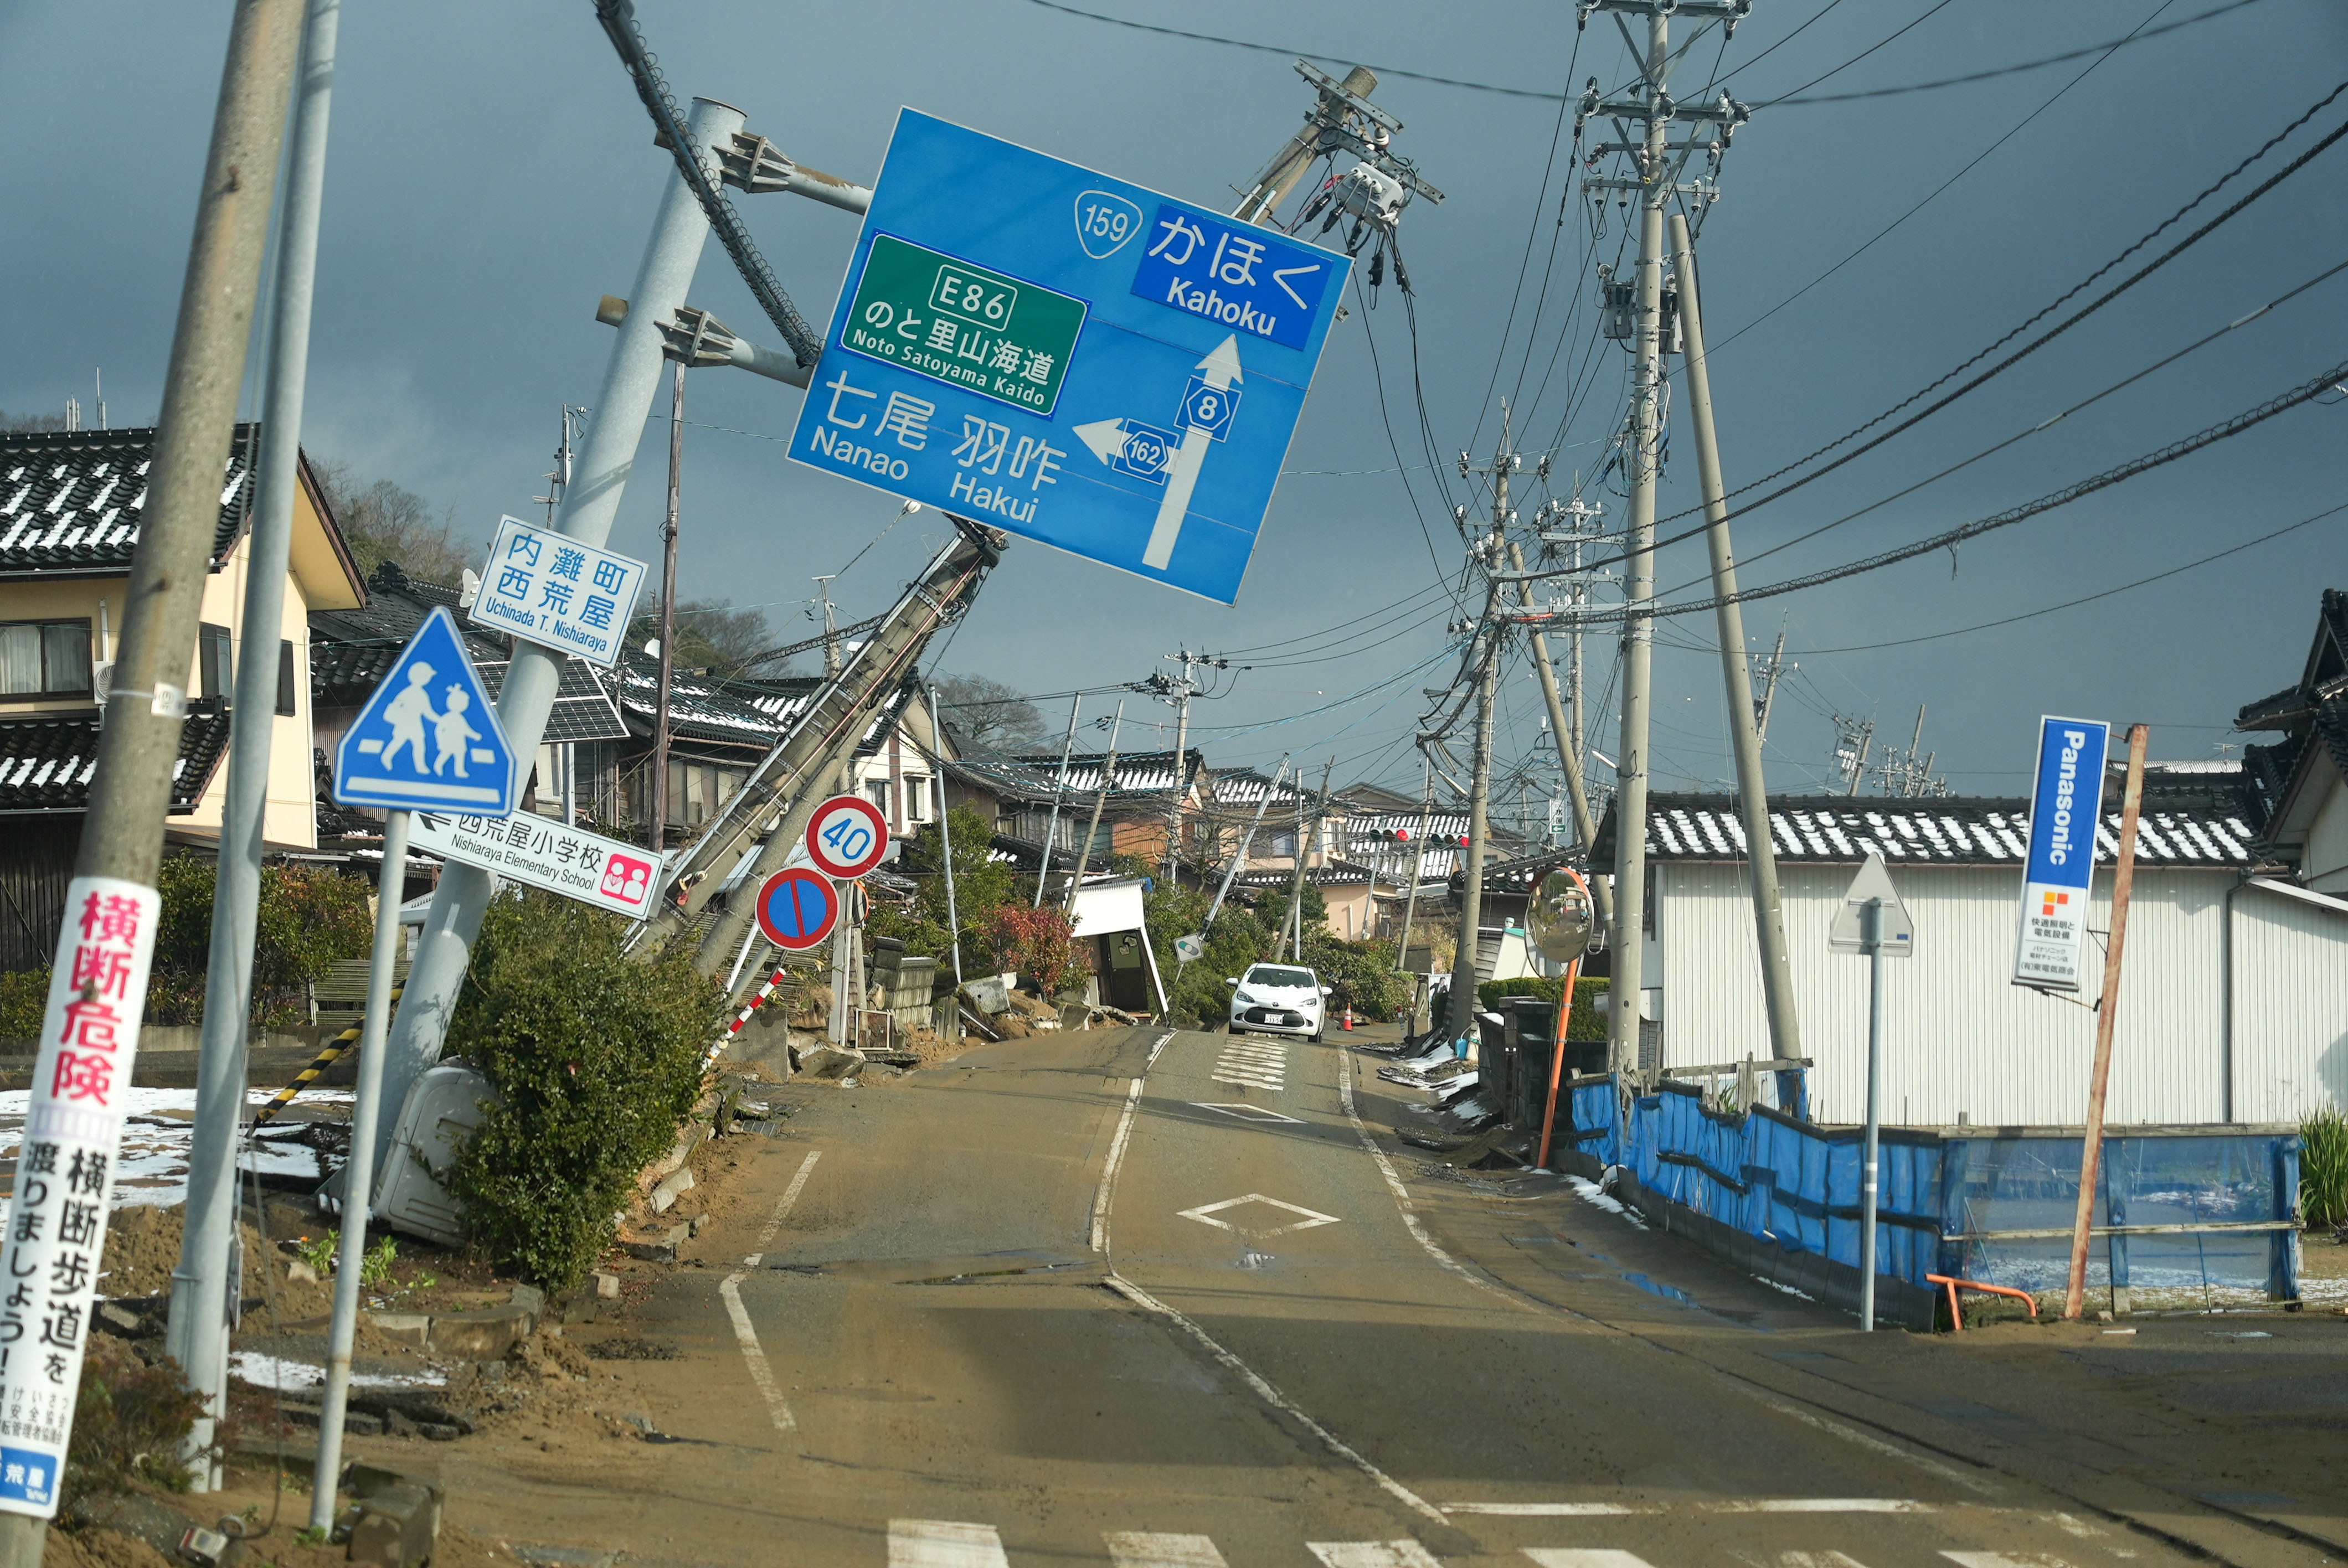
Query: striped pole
point(332, 1052)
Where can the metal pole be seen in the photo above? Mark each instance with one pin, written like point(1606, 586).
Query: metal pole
point(1479, 790)
point(843, 977)
point(358, 1178)
point(1639, 582)
point(589, 504)
point(1418, 866)
point(946, 833)
point(1752, 790)
point(1059, 791)
point(122, 831)
point(1232, 870)
point(1100, 799)
point(1870, 941)
point(1296, 880)
point(2107, 1012)
point(197, 1332)
point(1569, 747)
point(668, 610)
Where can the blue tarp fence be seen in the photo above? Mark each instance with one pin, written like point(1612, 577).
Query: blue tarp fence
point(2185, 1216)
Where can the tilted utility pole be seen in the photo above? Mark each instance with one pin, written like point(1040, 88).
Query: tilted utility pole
point(668, 610)
point(1479, 793)
point(1772, 668)
point(1654, 180)
point(201, 1313)
point(107, 939)
point(1059, 791)
point(1752, 793)
point(1417, 862)
point(1100, 799)
point(1569, 750)
point(1272, 187)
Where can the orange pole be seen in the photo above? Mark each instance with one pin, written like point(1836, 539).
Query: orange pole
point(1557, 1059)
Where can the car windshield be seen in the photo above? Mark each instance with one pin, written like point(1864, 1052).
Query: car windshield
point(1264, 975)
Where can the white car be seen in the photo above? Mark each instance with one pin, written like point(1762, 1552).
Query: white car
point(1278, 999)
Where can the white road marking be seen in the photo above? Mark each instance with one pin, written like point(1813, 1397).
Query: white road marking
point(1108, 1168)
point(1246, 1112)
point(2004, 1560)
point(943, 1543)
point(1372, 1554)
point(1254, 1066)
point(1278, 1401)
point(1402, 1195)
point(1724, 1505)
point(760, 1373)
point(1155, 1046)
point(1818, 1560)
point(1875, 1445)
point(1204, 1214)
point(730, 1291)
point(1584, 1557)
point(1547, 1510)
point(1139, 1549)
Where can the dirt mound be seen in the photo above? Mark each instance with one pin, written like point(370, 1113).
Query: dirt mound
point(142, 1248)
point(100, 1548)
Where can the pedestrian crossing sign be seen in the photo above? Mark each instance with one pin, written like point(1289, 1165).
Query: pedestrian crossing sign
point(428, 738)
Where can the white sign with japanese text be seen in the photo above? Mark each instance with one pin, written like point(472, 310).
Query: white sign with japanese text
point(542, 853)
point(557, 592)
point(57, 1222)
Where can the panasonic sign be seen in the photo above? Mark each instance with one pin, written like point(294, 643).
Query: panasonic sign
point(2066, 812)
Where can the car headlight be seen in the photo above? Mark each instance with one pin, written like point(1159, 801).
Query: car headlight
point(1242, 996)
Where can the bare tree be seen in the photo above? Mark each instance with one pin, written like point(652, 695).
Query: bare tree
point(384, 521)
point(711, 635)
point(988, 715)
point(14, 422)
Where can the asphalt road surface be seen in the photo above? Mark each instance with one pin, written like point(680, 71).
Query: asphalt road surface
point(1147, 1297)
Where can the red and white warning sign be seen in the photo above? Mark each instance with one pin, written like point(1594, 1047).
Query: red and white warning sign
point(847, 837)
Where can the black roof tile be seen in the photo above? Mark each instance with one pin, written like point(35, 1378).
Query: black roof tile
point(71, 500)
point(46, 760)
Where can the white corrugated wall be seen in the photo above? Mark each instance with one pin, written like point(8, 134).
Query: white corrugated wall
point(2291, 1006)
point(1960, 1038)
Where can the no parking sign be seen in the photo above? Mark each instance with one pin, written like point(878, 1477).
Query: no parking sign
point(847, 837)
point(798, 908)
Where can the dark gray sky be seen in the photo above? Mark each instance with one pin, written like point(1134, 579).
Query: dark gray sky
point(490, 175)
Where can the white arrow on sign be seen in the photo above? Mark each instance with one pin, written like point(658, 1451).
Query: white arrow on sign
point(1107, 440)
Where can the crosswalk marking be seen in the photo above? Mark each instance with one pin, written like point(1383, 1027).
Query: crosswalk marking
point(1545, 1510)
point(1584, 1557)
point(1817, 1560)
point(1259, 1066)
point(2004, 1560)
point(1722, 1505)
point(943, 1543)
point(1372, 1554)
point(1140, 1549)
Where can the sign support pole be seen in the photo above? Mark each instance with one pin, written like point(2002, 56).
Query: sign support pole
point(358, 1180)
point(1870, 925)
point(2107, 1012)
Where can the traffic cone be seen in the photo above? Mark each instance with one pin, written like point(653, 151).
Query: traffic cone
point(1349, 1015)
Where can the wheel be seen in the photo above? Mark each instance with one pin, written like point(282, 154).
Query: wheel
point(1236, 1028)
point(1316, 1037)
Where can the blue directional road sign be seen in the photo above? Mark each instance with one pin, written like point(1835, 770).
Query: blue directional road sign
point(429, 739)
point(1061, 354)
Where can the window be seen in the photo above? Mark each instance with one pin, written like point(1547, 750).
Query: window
point(286, 708)
point(878, 790)
point(45, 659)
point(215, 665)
point(917, 797)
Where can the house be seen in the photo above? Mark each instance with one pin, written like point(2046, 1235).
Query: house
point(70, 505)
point(2303, 777)
point(2234, 998)
point(1143, 789)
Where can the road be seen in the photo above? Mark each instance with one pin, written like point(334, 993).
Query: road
point(1147, 1297)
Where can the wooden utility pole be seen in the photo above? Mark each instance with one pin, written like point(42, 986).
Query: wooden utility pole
point(2107, 1012)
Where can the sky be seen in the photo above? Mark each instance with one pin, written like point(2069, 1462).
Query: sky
point(490, 175)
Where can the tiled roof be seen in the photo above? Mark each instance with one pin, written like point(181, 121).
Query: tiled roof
point(1035, 777)
point(1342, 874)
point(1519, 875)
point(699, 709)
point(46, 761)
point(1838, 830)
point(71, 501)
point(1246, 786)
point(1027, 855)
point(352, 650)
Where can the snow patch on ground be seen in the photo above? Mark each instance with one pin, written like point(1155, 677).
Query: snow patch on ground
point(294, 1377)
point(1589, 1192)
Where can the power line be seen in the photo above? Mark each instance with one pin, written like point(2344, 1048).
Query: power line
point(1940, 7)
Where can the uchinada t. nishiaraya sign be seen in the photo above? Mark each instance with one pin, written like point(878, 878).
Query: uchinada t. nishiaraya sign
point(2066, 808)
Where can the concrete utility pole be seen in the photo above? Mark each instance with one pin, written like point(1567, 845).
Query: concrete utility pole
point(1479, 793)
point(630, 380)
point(200, 1312)
point(1100, 799)
point(1568, 748)
point(1752, 793)
point(1655, 180)
point(122, 832)
point(1059, 790)
point(1272, 187)
point(1296, 880)
point(668, 610)
point(1772, 668)
point(1417, 862)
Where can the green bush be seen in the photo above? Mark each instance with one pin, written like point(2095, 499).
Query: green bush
point(308, 917)
point(24, 1002)
point(2323, 1170)
point(982, 884)
point(595, 1058)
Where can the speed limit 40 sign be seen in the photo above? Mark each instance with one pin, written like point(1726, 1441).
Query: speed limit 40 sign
point(846, 837)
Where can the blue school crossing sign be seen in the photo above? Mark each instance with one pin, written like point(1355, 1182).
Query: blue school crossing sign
point(1067, 357)
point(428, 738)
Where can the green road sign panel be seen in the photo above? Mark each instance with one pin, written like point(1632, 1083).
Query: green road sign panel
point(939, 316)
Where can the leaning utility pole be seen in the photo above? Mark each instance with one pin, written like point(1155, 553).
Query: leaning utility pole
point(1654, 180)
point(1479, 793)
point(201, 1313)
point(1752, 793)
point(107, 939)
point(668, 611)
point(1059, 791)
point(1100, 799)
point(1569, 750)
point(1418, 859)
point(1288, 165)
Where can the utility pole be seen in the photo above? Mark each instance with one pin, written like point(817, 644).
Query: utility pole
point(200, 1313)
point(1183, 690)
point(1296, 880)
point(1654, 180)
point(1100, 799)
point(112, 904)
point(1418, 859)
point(1471, 902)
point(1771, 669)
point(1338, 99)
point(1059, 791)
point(830, 630)
point(1752, 792)
point(2107, 1012)
point(1569, 744)
point(668, 608)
